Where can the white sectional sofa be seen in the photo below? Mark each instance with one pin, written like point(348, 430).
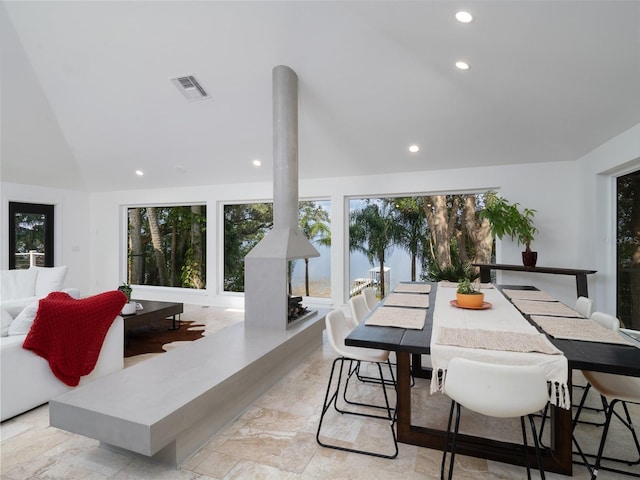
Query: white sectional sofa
point(26, 380)
point(19, 288)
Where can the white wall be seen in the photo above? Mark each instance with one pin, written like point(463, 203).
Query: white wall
point(72, 217)
point(598, 171)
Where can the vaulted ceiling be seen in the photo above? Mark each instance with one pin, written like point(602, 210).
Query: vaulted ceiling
point(87, 97)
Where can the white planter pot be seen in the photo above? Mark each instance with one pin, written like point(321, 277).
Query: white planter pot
point(129, 308)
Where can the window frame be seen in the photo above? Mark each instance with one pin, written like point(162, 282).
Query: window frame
point(49, 224)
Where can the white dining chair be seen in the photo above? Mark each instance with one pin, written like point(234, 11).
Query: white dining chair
point(502, 391)
point(337, 331)
point(613, 389)
point(606, 320)
point(370, 297)
point(584, 306)
point(359, 308)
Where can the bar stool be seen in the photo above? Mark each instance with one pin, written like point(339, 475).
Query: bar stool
point(503, 391)
point(337, 331)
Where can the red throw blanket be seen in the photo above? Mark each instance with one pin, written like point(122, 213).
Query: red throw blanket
point(69, 333)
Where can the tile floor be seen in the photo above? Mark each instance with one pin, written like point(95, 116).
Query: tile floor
point(273, 439)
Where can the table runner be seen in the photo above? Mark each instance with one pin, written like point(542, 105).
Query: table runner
point(407, 300)
point(502, 317)
point(412, 288)
point(412, 318)
point(578, 329)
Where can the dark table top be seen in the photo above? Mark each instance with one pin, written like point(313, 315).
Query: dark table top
point(152, 309)
point(581, 355)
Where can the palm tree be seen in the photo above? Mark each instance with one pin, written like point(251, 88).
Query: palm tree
point(410, 215)
point(156, 240)
point(373, 231)
point(314, 225)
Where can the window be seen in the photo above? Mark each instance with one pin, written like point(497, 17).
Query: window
point(247, 223)
point(628, 250)
point(429, 237)
point(31, 229)
point(167, 246)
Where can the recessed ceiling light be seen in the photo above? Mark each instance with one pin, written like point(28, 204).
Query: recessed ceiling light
point(414, 148)
point(462, 65)
point(139, 173)
point(256, 163)
point(464, 17)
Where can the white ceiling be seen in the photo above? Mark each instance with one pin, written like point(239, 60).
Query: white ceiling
point(86, 96)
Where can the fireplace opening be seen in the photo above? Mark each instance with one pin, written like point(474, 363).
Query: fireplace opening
point(296, 311)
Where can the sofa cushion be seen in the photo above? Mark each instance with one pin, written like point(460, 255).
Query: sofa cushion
point(49, 279)
point(17, 284)
point(6, 322)
point(23, 322)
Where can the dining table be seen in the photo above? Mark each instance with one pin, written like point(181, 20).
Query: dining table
point(408, 330)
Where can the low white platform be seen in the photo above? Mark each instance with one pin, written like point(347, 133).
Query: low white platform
point(169, 406)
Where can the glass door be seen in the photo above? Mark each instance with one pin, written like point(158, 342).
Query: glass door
point(30, 235)
point(628, 250)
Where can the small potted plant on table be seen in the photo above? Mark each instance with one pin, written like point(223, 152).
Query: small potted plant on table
point(467, 296)
point(129, 307)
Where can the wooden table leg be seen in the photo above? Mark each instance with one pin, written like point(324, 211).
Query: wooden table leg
point(404, 396)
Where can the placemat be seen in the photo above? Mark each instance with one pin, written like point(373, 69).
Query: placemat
point(528, 295)
point(535, 307)
point(496, 340)
point(412, 318)
point(578, 329)
point(407, 300)
point(412, 288)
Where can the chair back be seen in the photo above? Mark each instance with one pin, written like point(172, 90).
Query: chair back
point(370, 297)
point(584, 306)
point(615, 386)
point(502, 391)
point(338, 328)
point(359, 308)
point(606, 320)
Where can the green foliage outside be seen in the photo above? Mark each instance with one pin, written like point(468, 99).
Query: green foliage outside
point(167, 246)
point(628, 250)
point(246, 224)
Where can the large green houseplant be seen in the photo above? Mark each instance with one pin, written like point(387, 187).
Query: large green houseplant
point(506, 218)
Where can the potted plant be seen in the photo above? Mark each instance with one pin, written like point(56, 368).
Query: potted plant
point(129, 307)
point(467, 296)
point(506, 218)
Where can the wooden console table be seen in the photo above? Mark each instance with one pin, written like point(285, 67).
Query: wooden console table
point(581, 275)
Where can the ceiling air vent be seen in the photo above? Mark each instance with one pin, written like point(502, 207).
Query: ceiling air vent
point(190, 87)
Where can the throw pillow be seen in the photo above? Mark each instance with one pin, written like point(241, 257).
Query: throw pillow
point(17, 284)
point(6, 321)
point(49, 279)
point(22, 323)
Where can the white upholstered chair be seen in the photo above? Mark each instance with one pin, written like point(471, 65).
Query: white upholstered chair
point(359, 308)
point(606, 320)
point(503, 391)
point(337, 331)
point(584, 306)
point(613, 389)
point(370, 297)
